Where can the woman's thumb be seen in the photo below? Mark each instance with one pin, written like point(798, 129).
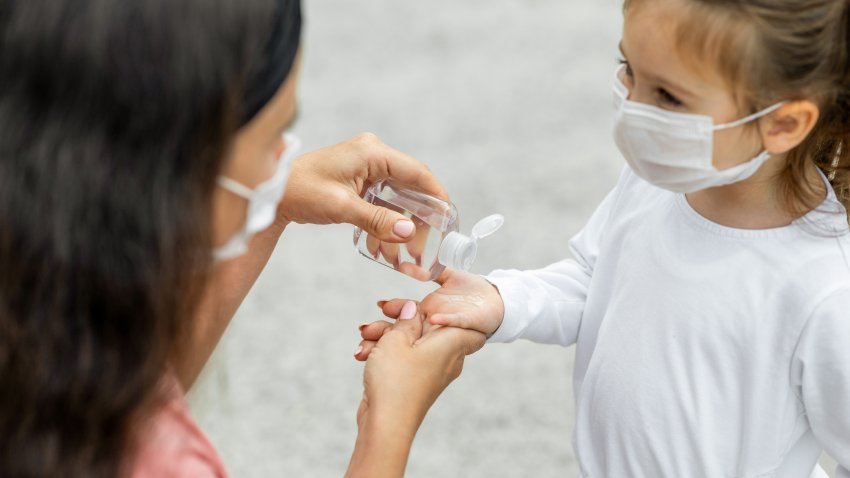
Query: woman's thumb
point(409, 322)
point(382, 223)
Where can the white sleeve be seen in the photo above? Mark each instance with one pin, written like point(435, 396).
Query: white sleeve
point(546, 305)
point(822, 375)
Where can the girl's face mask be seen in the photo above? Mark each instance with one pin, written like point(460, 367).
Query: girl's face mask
point(262, 202)
point(674, 150)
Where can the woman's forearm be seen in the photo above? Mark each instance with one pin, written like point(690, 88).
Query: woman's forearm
point(230, 283)
point(382, 447)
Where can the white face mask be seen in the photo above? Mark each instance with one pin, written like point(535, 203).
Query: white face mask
point(262, 202)
point(674, 150)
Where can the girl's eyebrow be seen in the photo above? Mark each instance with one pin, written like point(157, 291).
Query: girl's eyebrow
point(677, 89)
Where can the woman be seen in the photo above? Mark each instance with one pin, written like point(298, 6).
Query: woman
point(139, 199)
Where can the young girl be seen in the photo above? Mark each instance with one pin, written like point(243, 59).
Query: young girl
point(709, 294)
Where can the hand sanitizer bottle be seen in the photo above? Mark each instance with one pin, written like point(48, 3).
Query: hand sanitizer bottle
point(437, 244)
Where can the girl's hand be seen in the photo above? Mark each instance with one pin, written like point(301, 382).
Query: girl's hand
point(464, 300)
point(325, 187)
point(404, 375)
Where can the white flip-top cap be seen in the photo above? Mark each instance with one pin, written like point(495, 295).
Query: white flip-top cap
point(458, 251)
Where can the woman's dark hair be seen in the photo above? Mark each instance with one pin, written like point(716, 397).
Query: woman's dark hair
point(115, 119)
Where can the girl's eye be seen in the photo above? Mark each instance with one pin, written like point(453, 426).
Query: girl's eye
point(664, 96)
point(668, 99)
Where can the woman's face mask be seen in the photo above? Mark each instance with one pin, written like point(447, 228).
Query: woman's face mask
point(262, 202)
point(674, 150)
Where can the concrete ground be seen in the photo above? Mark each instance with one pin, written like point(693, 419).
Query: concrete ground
point(509, 102)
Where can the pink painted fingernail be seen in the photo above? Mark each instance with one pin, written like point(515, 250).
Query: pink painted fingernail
point(408, 311)
point(403, 228)
point(362, 326)
point(357, 352)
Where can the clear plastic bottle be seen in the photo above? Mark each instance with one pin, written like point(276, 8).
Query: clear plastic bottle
point(437, 244)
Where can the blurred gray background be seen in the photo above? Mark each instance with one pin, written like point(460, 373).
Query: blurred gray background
point(509, 103)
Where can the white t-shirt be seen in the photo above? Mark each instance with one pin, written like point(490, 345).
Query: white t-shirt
point(702, 350)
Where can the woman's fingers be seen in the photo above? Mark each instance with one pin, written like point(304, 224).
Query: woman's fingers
point(391, 308)
point(412, 270)
point(364, 349)
point(386, 162)
point(408, 329)
point(378, 162)
point(373, 245)
point(390, 253)
point(371, 334)
point(377, 221)
point(409, 325)
point(325, 186)
point(416, 245)
point(375, 330)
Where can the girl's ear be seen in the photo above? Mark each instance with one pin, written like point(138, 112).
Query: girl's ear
point(788, 126)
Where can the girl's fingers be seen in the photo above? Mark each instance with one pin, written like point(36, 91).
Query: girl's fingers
point(451, 320)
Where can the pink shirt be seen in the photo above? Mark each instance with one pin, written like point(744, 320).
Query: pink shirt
point(173, 446)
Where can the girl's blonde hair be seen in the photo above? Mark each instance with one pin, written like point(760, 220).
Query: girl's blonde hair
point(780, 50)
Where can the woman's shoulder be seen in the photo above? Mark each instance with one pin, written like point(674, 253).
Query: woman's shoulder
point(172, 445)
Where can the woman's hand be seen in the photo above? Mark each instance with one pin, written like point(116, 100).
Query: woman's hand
point(404, 375)
point(325, 187)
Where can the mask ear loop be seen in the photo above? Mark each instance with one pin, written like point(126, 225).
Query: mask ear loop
point(291, 144)
point(749, 118)
point(235, 187)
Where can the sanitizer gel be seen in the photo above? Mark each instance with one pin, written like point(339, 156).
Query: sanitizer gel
point(437, 244)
